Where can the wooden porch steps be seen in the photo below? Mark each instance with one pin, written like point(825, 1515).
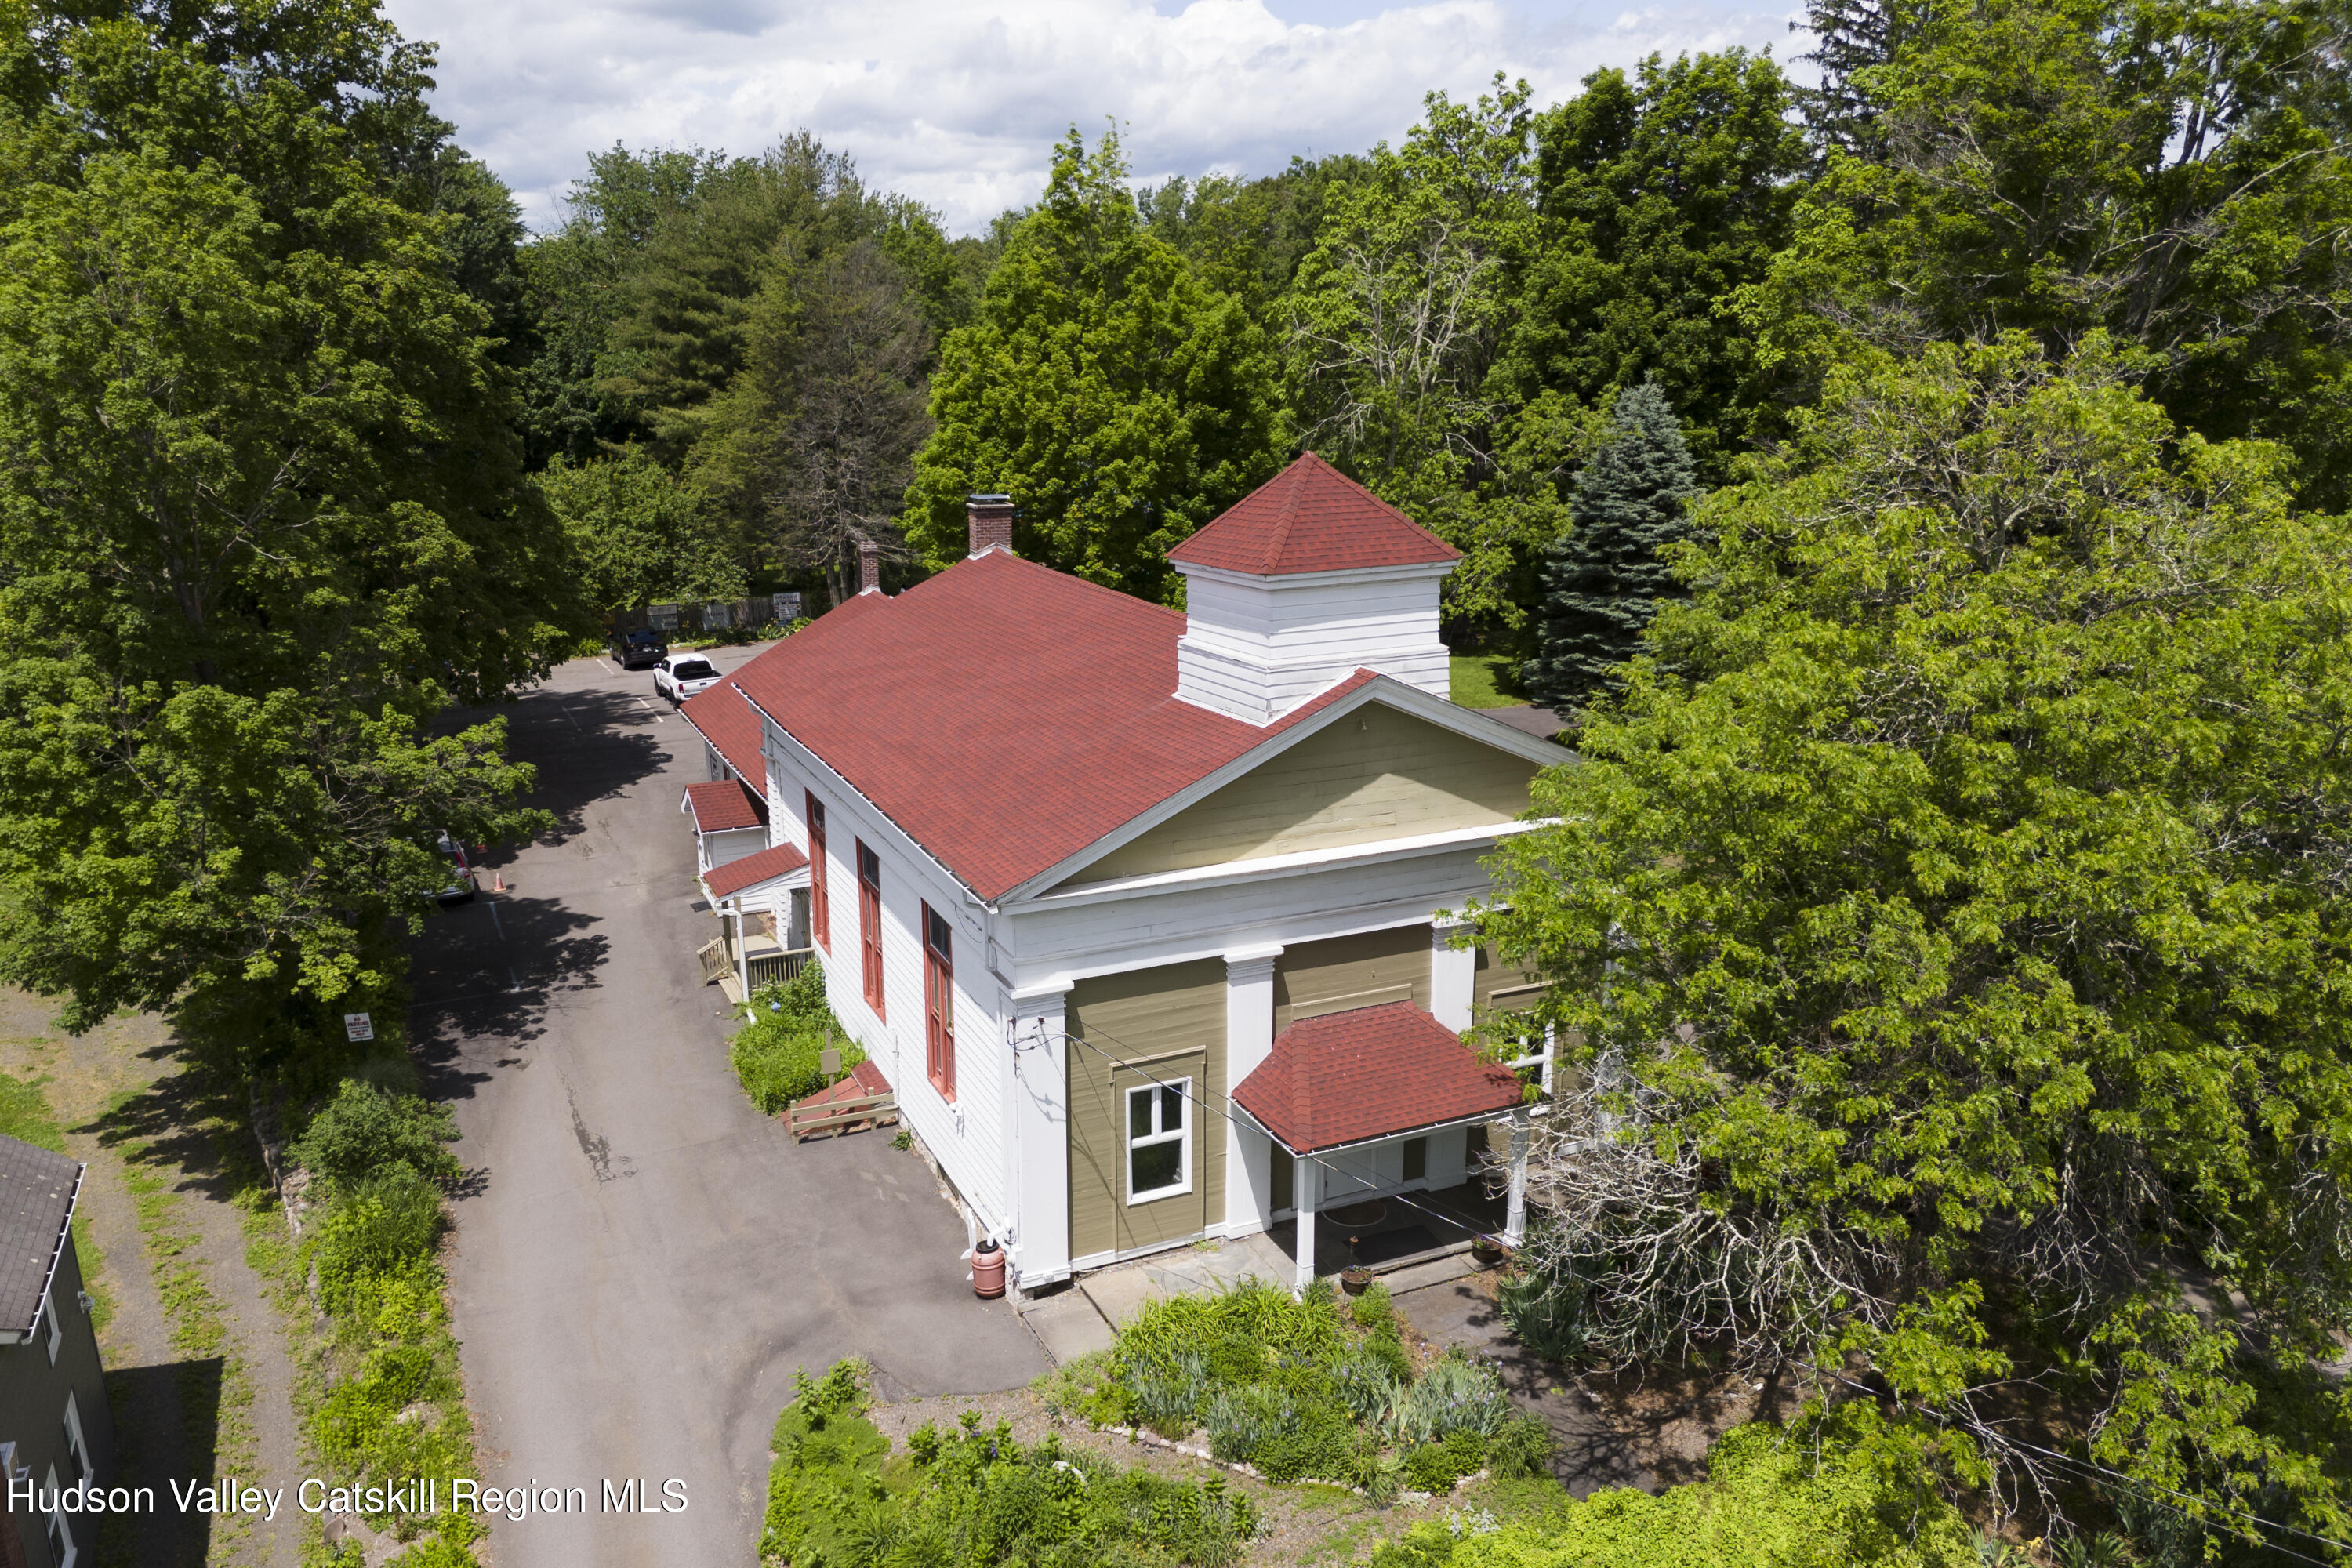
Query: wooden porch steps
point(859, 1100)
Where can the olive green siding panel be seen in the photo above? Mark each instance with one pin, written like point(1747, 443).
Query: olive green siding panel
point(1500, 984)
point(1362, 971)
point(1374, 775)
point(1144, 1016)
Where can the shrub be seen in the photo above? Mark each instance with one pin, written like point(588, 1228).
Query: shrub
point(367, 1129)
point(777, 1055)
point(1455, 1394)
point(1829, 1489)
point(838, 1499)
point(380, 1225)
point(1240, 1421)
point(1165, 1395)
point(1435, 1467)
point(1375, 1308)
point(1522, 1450)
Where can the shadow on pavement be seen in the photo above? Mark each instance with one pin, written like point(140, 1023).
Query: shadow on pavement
point(166, 1428)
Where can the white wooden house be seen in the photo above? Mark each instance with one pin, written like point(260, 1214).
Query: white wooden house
point(1141, 913)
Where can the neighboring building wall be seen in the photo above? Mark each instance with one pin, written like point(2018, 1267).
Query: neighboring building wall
point(33, 1394)
point(1127, 1031)
point(967, 1138)
point(1373, 775)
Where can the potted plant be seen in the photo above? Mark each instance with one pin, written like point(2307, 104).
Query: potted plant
point(1488, 1250)
point(1355, 1278)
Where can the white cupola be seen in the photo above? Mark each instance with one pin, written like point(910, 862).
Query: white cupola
point(1305, 580)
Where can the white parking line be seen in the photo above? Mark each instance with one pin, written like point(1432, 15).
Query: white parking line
point(494, 925)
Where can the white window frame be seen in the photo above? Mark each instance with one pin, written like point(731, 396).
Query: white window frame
point(1181, 1137)
point(76, 1444)
point(72, 1553)
point(57, 1329)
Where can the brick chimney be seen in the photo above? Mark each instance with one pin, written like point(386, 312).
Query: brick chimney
point(989, 522)
point(869, 567)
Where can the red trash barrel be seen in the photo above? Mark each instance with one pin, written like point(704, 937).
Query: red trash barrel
point(988, 1270)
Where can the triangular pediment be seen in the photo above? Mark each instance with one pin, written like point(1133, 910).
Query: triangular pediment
point(1375, 773)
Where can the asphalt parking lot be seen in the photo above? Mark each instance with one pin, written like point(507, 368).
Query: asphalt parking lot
point(643, 1260)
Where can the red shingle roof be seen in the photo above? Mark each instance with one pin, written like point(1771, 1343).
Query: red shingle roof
point(727, 722)
point(1004, 715)
point(725, 805)
point(726, 881)
point(1370, 1073)
point(1311, 518)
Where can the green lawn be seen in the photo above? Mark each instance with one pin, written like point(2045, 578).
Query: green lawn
point(1487, 680)
point(25, 1114)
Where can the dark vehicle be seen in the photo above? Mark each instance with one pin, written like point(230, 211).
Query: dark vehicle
point(636, 648)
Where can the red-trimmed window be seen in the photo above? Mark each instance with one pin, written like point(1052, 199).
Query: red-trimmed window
point(870, 922)
point(820, 911)
point(939, 1002)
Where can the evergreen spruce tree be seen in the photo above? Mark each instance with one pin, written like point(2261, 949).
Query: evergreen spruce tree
point(1602, 583)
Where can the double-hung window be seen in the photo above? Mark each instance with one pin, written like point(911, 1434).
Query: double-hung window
point(870, 922)
point(62, 1551)
point(52, 1329)
point(77, 1449)
point(939, 1002)
point(1159, 1141)
point(820, 911)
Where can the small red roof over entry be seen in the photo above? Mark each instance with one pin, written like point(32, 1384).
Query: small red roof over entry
point(1311, 518)
point(1371, 1072)
point(726, 881)
point(725, 805)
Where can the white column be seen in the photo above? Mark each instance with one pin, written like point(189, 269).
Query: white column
point(1040, 1134)
point(1514, 1218)
point(1249, 1036)
point(1452, 974)
point(742, 959)
point(1308, 1190)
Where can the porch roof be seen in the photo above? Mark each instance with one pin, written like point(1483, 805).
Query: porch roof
point(1370, 1072)
point(767, 866)
point(719, 807)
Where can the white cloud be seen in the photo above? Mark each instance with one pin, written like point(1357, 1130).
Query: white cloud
point(958, 104)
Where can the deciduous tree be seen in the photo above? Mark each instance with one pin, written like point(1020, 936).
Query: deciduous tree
point(262, 516)
point(1952, 922)
point(1121, 401)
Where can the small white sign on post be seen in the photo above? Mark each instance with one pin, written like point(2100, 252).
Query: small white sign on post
point(358, 1027)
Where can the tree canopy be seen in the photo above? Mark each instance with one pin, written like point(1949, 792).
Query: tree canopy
point(1117, 398)
point(264, 516)
point(1951, 918)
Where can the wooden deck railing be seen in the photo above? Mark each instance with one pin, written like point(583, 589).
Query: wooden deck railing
point(775, 968)
point(816, 1115)
point(715, 962)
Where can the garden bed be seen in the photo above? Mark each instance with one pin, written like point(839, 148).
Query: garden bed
point(1304, 1390)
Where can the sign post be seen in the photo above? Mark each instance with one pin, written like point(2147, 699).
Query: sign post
point(358, 1027)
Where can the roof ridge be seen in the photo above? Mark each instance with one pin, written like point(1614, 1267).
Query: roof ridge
point(1287, 513)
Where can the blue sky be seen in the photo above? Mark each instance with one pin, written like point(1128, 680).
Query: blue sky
point(957, 104)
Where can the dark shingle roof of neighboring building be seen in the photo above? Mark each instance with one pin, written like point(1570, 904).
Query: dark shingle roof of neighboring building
point(1370, 1072)
point(1311, 518)
point(36, 1198)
